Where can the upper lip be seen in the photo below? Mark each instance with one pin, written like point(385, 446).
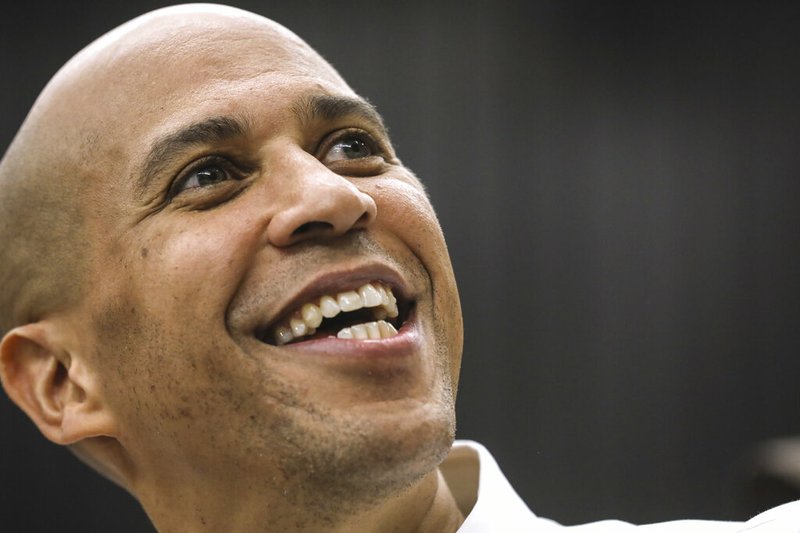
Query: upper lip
point(335, 281)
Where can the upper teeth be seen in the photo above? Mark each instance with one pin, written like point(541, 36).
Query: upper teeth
point(305, 320)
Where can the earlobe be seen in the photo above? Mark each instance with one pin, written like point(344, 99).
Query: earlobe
point(50, 384)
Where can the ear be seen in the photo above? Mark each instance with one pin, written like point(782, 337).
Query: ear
point(52, 385)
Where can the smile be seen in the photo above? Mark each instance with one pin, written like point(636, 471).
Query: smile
point(369, 312)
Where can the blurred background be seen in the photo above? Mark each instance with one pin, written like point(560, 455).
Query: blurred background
point(619, 185)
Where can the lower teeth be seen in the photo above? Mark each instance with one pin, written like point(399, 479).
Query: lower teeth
point(370, 330)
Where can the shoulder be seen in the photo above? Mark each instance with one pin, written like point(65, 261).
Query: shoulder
point(489, 502)
point(781, 519)
point(784, 519)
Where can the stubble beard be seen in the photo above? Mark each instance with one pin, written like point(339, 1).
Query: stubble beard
point(350, 464)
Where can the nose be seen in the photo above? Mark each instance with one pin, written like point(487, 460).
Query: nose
point(317, 203)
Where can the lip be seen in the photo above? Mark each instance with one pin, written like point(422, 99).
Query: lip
point(335, 281)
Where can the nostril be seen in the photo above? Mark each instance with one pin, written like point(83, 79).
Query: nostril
point(312, 226)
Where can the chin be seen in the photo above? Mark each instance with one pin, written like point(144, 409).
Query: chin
point(368, 460)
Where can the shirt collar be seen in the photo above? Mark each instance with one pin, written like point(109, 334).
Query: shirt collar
point(482, 492)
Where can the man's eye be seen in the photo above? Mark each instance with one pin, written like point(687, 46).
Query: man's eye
point(350, 146)
point(206, 173)
point(205, 176)
point(353, 148)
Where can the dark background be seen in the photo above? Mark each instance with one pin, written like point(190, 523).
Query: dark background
point(618, 184)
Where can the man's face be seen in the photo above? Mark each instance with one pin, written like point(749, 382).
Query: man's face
point(236, 183)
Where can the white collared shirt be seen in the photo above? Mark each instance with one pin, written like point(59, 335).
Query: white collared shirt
point(491, 505)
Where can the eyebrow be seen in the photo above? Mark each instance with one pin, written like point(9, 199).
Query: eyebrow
point(330, 108)
point(167, 148)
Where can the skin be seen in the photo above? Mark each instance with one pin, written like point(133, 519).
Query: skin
point(149, 366)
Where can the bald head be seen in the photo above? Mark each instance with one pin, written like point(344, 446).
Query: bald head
point(79, 129)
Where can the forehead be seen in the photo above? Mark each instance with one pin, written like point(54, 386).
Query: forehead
point(151, 76)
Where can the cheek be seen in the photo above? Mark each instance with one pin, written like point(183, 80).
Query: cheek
point(404, 209)
point(158, 315)
point(161, 376)
point(193, 272)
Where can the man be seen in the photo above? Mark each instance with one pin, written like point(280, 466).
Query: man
point(224, 291)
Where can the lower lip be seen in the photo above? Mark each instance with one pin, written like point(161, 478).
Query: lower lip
point(405, 344)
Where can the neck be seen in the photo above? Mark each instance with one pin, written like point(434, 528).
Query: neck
point(426, 506)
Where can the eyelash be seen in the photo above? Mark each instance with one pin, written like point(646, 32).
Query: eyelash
point(332, 139)
point(235, 171)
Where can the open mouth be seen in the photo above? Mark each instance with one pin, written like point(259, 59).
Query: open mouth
point(372, 311)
